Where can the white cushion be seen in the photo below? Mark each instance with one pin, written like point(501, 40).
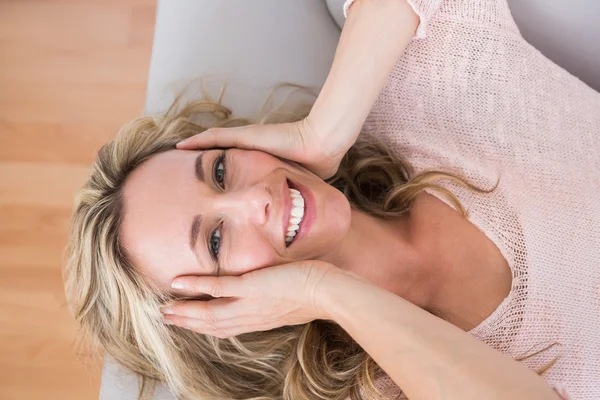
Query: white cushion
point(565, 31)
point(250, 45)
point(119, 383)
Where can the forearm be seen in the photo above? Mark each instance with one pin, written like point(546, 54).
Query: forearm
point(427, 357)
point(374, 36)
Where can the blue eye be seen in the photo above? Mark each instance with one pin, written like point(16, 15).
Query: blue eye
point(219, 171)
point(215, 243)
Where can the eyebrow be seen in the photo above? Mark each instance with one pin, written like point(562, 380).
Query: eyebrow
point(198, 167)
point(195, 229)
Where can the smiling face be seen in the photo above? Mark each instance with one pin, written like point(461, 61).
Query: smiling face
point(226, 213)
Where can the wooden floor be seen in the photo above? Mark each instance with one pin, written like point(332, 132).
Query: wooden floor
point(71, 72)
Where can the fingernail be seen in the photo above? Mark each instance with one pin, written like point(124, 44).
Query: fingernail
point(177, 285)
point(167, 311)
point(168, 322)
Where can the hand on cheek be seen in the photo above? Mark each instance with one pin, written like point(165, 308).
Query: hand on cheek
point(260, 300)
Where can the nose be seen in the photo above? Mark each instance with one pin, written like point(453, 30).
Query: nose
point(251, 204)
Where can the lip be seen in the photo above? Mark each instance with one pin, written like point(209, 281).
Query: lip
point(287, 208)
point(309, 211)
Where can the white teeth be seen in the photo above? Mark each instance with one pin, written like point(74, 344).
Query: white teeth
point(297, 213)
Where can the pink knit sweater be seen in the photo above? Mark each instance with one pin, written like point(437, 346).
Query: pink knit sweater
point(471, 96)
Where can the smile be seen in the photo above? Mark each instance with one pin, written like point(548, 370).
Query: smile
point(296, 215)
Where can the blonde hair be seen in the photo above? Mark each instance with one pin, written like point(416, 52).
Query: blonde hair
point(118, 309)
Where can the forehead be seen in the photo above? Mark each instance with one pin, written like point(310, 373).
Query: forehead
point(159, 198)
point(168, 175)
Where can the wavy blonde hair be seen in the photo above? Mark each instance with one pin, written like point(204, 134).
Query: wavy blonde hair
point(118, 310)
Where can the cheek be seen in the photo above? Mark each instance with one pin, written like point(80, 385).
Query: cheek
point(251, 252)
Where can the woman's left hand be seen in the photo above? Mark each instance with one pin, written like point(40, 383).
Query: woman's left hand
point(260, 300)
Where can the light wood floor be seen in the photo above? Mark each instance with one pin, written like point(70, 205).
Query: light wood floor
point(71, 72)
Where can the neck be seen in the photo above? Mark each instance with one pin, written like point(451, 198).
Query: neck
point(388, 253)
point(428, 257)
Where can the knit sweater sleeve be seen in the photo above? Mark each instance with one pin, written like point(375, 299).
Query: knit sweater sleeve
point(425, 9)
point(478, 14)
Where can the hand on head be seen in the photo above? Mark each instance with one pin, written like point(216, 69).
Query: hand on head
point(299, 141)
point(260, 300)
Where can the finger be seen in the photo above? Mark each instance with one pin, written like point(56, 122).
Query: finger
point(228, 332)
point(212, 311)
point(222, 286)
point(281, 140)
point(223, 329)
point(241, 137)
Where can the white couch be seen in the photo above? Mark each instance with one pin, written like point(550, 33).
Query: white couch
point(254, 45)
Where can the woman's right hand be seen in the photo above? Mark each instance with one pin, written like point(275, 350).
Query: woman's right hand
point(260, 300)
point(299, 141)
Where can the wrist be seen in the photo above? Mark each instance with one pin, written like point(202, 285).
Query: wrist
point(334, 130)
point(328, 295)
point(328, 120)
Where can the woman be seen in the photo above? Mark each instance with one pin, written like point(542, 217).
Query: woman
point(346, 299)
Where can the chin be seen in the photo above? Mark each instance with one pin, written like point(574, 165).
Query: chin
point(331, 224)
point(337, 215)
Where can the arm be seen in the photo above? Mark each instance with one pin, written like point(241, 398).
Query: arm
point(374, 37)
point(427, 357)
